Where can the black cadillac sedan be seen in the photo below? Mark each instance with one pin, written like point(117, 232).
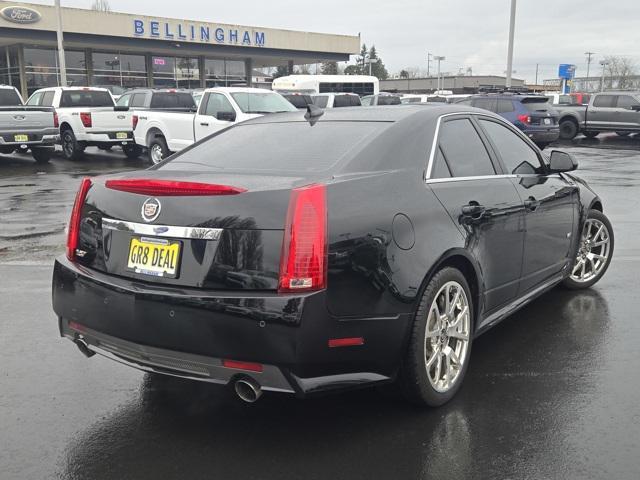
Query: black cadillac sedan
point(305, 253)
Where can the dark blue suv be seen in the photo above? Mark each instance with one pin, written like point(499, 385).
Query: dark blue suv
point(530, 113)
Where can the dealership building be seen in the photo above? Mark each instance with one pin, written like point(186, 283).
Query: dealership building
point(144, 51)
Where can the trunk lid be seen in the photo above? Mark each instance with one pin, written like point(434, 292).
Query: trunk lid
point(106, 119)
point(222, 242)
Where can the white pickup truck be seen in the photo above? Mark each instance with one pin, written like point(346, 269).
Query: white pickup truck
point(26, 128)
point(88, 117)
point(164, 132)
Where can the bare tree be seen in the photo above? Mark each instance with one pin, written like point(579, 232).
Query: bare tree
point(620, 71)
point(101, 6)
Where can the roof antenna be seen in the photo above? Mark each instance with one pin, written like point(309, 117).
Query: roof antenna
point(313, 113)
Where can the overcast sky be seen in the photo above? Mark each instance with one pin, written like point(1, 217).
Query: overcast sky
point(470, 33)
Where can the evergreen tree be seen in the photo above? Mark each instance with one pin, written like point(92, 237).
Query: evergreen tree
point(329, 68)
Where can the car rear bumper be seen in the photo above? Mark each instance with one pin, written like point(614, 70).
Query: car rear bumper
point(36, 137)
point(188, 332)
point(105, 137)
point(546, 135)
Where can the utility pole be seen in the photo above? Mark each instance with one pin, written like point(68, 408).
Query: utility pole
point(512, 25)
point(604, 64)
point(589, 55)
point(429, 64)
point(438, 59)
point(61, 60)
point(537, 74)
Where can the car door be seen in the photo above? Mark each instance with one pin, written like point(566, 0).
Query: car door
point(628, 107)
point(214, 114)
point(602, 114)
point(551, 204)
point(483, 203)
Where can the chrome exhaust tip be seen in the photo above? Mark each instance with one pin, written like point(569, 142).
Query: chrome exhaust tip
point(248, 390)
point(84, 348)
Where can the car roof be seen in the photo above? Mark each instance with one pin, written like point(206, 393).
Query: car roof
point(239, 90)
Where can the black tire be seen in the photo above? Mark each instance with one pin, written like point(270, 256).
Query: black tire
point(568, 129)
point(591, 134)
point(572, 284)
point(42, 155)
point(623, 134)
point(106, 148)
point(132, 151)
point(71, 149)
point(158, 150)
point(414, 377)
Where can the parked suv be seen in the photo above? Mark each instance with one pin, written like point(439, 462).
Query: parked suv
point(533, 114)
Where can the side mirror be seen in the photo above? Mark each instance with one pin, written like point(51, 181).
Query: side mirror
point(562, 162)
point(635, 108)
point(120, 108)
point(226, 116)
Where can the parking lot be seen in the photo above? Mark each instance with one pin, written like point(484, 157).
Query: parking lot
point(551, 392)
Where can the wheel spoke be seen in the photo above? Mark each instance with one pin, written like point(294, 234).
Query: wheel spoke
point(438, 367)
point(577, 267)
point(595, 237)
point(458, 335)
point(434, 357)
point(447, 303)
point(456, 299)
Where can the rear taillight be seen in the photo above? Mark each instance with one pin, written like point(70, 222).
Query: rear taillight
point(171, 188)
point(86, 119)
point(248, 366)
point(56, 120)
point(135, 119)
point(524, 119)
point(76, 216)
point(303, 264)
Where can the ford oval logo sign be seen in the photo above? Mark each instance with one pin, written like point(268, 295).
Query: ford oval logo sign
point(20, 14)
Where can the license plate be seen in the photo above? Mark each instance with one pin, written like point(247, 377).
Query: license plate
point(547, 121)
point(122, 135)
point(154, 256)
point(21, 138)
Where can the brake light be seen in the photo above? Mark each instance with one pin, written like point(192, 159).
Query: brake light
point(135, 119)
point(524, 119)
point(303, 262)
point(56, 120)
point(248, 366)
point(346, 342)
point(86, 119)
point(171, 188)
point(76, 214)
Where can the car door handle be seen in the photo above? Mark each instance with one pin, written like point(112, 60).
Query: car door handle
point(531, 204)
point(204, 124)
point(473, 210)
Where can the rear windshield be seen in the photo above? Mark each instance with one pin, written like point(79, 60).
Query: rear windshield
point(9, 98)
point(346, 101)
point(86, 98)
point(299, 101)
point(262, 102)
point(296, 147)
point(536, 104)
point(171, 100)
point(384, 100)
point(321, 101)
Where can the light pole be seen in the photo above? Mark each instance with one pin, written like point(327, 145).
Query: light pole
point(438, 59)
point(61, 60)
point(512, 26)
point(589, 55)
point(371, 60)
point(604, 64)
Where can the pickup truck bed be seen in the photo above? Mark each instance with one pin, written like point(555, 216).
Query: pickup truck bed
point(25, 127)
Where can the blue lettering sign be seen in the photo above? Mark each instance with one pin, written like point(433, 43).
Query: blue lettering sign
point(233, 36)
point(246, 38)
point(138, 27)
point(219, 35)
point(155, 29)
point(193, 32)
point(260, 39)
point(181, 35)
point(167, 32)
point(205, 34)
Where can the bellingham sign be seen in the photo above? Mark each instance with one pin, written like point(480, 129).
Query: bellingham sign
point(188, 32)
point(20, 15)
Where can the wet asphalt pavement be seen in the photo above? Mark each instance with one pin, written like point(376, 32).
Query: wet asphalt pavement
point(552, 393)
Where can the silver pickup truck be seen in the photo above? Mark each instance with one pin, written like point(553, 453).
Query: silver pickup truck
point(607, 112)
point(25, 128)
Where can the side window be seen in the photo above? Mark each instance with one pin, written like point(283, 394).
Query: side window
point(505, 106)
point(440, 168)
point(518, 157)
point(605, 101)
point(47, 99)
point(627, 101)
point(341, 101)
point(485, 103)
point(137, 100)
point(124, 101)
point(321, 101)
point(366, 101)
point(463, 149)
point(35, 99)
point(355, 101)
point(217, 104)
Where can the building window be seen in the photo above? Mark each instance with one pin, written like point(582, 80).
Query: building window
point(123, 70)
point(175, 72)
point(224, 73)
point(41, 68)
point(9, 67)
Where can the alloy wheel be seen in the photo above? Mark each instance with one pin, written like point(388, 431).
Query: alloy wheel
point(594, 251)
point(67, 145)
point(446, 343)
point(156, 153)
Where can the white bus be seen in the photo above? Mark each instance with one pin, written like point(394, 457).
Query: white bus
point(314, 84)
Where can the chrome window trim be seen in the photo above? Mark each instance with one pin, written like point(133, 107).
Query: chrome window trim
point(162, 230)
point(466, 179)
